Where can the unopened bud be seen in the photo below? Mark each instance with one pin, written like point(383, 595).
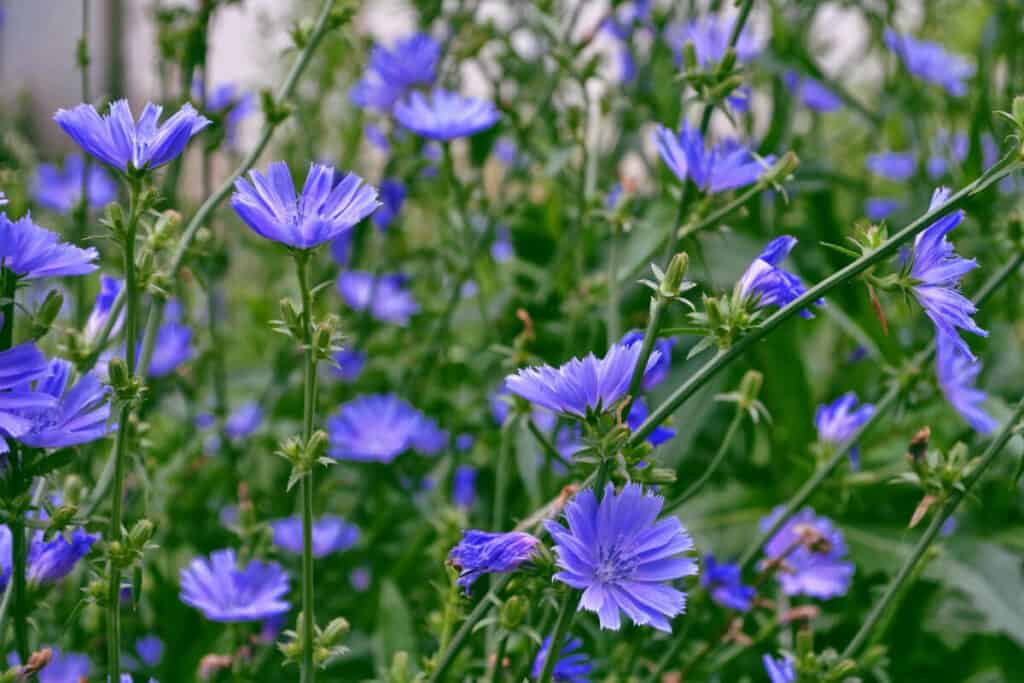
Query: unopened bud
point(660, 476)
point(689, 57)
point(750, 387)
point(713, 311)
point(781, 169)
point(166, 226)
point(47, 313)
point(513, 612)
point(333, 634)
point(727, 63)
point(672, 283)
point(140, 534)
point(317, 446)
point(119, 376)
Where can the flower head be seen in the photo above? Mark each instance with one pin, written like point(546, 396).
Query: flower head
point(502, 248)
point(770, 284)
point(331, 534)
point(19, 367)
point(348, 364)
point(32, 252)
point(48, 561)
point(325, 210)
point(116, 139)
point(445, 115)
point(244, 420)
point(230, 104)
point(173, 345)
point(385, 296)
point(896, 166)
point(637, 416)
point(664, 345)
point(813, 94)
point(811, 553)
point(378, 427)
point(393, 72)
point(779, 670)
point(150, 650)
point(621, 556)
point(710, 37)
point(725, 582)
point(958, 374)
point(110, 288)
point(392, 196)
point(931, 62)
point(945, 148)
point(464, 486)
point(67, 416)
point(481, 552)
point(725, 166)
point(836, 422)
point(61, 191)
point(936, 271)
point(222, 591)
point(880, 208)
point(581, 386)
point(572, 665)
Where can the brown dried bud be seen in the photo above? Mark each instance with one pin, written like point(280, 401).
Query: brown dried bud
point(919, 444)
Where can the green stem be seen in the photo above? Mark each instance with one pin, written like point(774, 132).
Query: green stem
point(1006, 166)
point(81, 212)
point(546, 445)
point(19, 560)
point(723, 450)
point(8, 289)
point(888, 401)
point(308, 412)
point(461, 636)
point(654, 318)
point(1011, 427)
point(565, 615)
point(508, 431)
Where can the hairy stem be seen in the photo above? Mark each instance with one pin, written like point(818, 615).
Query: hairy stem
point(308, 412)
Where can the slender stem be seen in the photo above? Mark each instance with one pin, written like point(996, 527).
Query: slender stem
point(565, 615)
point(5, 604)
point(19, 560)
point(614, 315)
point(308, 413)
point(723, 450)
point(1011, 427)
point(81, 212)
point(1006, 166)
point(654, 318)
point(508, 432)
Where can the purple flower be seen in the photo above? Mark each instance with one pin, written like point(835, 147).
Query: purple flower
point(223, 592)
point(48, 561)
point(779, 670)
point(349, 363)
point(445, 115)
point(958, 374)
point(64, 667)
point(32, 252)
point(61, 191)
point(325, 210)
point(500, 407)
point(341, 249)
point(464, 486)
point(232, 106)
point(946, 148)
point(936, 271)
point(464, 442)
point(710, 38)
point(68, 416)
point(897, 166)
point(377, 137)
point(502, 249)
point(391, 73)
point(581, 386)
point(379, 427)
point(725, 166)
point(331, 534)
point(392, 196)
point(813, 94)
point(770, 284)
point(724, 581)
point(572, 665)
point(117, 140)
point(386, 296)
point(173, 344)
point(150, 650)
point(508, 153)
point(110, 288)
point(664, 345)
point(244, 421)
point(480, 552)
point(636, 417)
point(880, 208)
point(622, 557)
point(931, 62)
point(19, 366)
point(838, 421)
point(360, 579)
point(814, 562)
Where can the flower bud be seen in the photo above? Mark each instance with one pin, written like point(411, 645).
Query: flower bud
point(47, 313)
point(672, 284)
point(334, 633)
point(140, 534)
point(781, 169)
point(728, 62)
point(317, 446)
point(513, 612)
point(119, 377)
point(660, 476)
point(750, 387)
point(689, 57)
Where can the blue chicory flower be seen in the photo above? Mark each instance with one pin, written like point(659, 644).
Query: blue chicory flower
point(502, 249)
point(324, 211)
point(710, 37)
point(445, 115)
point(385, 296)
point(572, 665)
point(464, 486)
point(150, 650)
point(379, 427)
point(880, 208)
point(61, 190)
point(230, 104)
point(931, 62)
point(348, 364)
point(331, 534)
point(636, 417)
point(656, 374)
point(110, 288)
point(724, 166)
point(64, 667)
point(724, 581)
point(392, 196)
point(464, 442)
point(360, 579)
point(779, 670)
point(20, 366)
point(581, 386)
point(813, 555)
point(770, 284)
point(508, 153)
point(173, 344)
point(223, 592)
point(946, 148)
point(391, 73)
point(116, 139)
point(813, 94)
point(936, 270)
point(896, 166)
point(543, 418)
point(481, 552)
point(48, 561)
point(836, 422)
point(32, 252)
point(377, 137)
point(622, 557)
point(957, 374)
point(244, 420)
